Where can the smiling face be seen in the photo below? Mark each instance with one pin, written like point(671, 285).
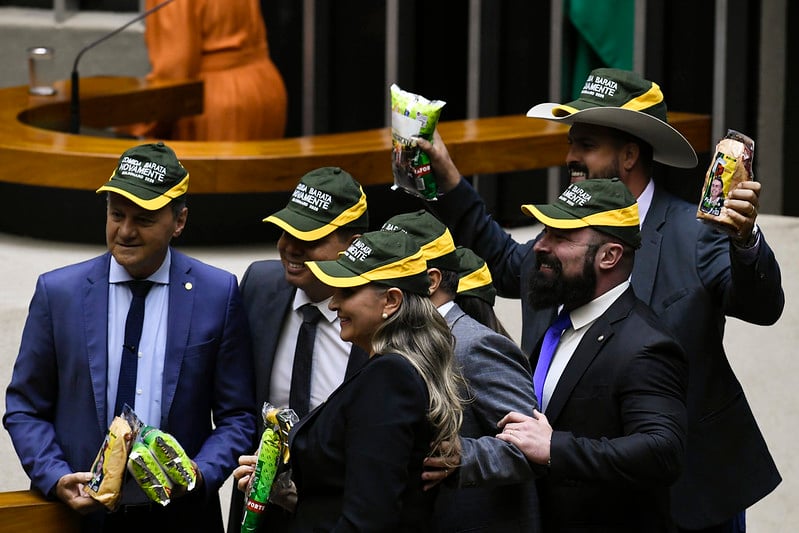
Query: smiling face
point(294, 252)
point(137, 238)
point(716, 188)
point(594, 152)
point(565, 272)
point(360, 311)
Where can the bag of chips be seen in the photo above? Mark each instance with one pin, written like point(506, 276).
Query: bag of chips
point(147, 472)
point(731, 166)
point(412, 116)
point(171, 456)
point(109, 466)
point(272, 452)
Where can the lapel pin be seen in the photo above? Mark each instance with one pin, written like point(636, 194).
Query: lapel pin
point(188, 286)
point(600, 338)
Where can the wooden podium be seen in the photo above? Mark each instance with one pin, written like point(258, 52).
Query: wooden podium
point(48, 176)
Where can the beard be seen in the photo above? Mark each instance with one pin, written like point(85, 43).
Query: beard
point(551, 290)
point(610, 171)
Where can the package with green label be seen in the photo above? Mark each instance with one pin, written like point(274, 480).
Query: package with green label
point(412, 116)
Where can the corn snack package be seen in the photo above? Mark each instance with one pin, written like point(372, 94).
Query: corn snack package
point(147, 472)
point(731, 165)
point(171, 456)
point(272, 452)
point(412, 116)
point(109, 467)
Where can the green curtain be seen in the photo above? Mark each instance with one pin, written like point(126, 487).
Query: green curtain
point(603, 38)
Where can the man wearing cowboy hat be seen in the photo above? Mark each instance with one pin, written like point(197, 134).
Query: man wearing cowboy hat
point(691, 274)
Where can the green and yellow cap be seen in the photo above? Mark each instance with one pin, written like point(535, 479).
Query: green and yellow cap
point(431, 234)
point(149, 175)
point(603, 204)
point(324, 200)
point(474, 276)
point(623, 100)
point(390, 258)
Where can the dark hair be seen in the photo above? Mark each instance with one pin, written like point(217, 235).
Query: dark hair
point(645, 149)
point(480, 310)
point(449, 282)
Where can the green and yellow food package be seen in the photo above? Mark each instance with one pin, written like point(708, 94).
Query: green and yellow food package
point(171, 456)
point(272, 452)
point(148, 473)
point(413, 116)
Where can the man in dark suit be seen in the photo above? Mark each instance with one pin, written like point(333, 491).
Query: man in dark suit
point(193, 378)
point(326, 212)
point(497, 378)
point(612, 436)
point(691, 274)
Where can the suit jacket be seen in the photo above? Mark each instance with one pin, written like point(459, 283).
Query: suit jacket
point(56, 402)
point(357, 458)
point(267, 298)
point(692, 277)
point(499, 381)
point(619, 419)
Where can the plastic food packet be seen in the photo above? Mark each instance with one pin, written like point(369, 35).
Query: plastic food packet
point(109, 466)
point(171, 456)
point(731, 166)
point(147, 472)
point(272, 452)
point(413, 115)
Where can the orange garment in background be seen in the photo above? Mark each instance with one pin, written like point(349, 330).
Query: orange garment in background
point(222, 42)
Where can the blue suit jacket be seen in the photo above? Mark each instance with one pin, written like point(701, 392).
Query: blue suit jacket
point(692, 277)
point(56, 402)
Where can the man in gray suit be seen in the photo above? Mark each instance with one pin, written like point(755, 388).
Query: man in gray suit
point(691, 274)
point(497, 377)
point(325, 213)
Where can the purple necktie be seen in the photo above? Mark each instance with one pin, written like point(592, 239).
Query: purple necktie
point(548, 347)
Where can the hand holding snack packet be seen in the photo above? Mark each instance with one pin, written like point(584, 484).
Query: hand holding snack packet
point(272, 452)
point(413, 116)
point(731, 166)
point(109, 466)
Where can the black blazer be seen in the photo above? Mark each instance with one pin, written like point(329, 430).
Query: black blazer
point(357, 458)
point(619, 420)
point(693, 278)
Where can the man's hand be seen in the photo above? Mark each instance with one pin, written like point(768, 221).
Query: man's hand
point(532, 435)
point(438, 468)
point(243, 472)
point(445, 171)
point(742, 204)
point(70, 489)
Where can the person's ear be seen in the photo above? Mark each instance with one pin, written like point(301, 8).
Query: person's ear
point(180, 222)
point(435, 279)
point(609, 255)
point(630, 155)
point(394, 298)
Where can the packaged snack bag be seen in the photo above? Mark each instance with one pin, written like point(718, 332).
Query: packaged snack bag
point(109, 466)
point(171, 456)
point(147, 472)
point(413, 115)
point(731, 165)
point(272, 453)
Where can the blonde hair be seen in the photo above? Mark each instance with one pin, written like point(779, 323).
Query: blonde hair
point(418, 332)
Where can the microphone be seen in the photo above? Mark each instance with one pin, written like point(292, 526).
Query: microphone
point(74, 102)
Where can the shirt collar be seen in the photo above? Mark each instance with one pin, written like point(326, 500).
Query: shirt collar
point(118, 274)
point(645, 201)
point(443, 309)
point(588, 313)
point(301, 298)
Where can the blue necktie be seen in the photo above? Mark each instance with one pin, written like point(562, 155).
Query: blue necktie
point(548, 347)
point(300, 392)
point(126, 388)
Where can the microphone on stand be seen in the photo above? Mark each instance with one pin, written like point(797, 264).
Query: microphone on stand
point(74, 102)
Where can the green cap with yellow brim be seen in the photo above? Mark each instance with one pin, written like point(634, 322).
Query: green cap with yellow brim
point(603, 204)
point(385, 257)
point(433, 237)
point(149, 175)
point(474, 276)
point(324, 200)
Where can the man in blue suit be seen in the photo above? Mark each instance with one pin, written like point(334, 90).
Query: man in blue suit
point(690, 273)
point(192, 375)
